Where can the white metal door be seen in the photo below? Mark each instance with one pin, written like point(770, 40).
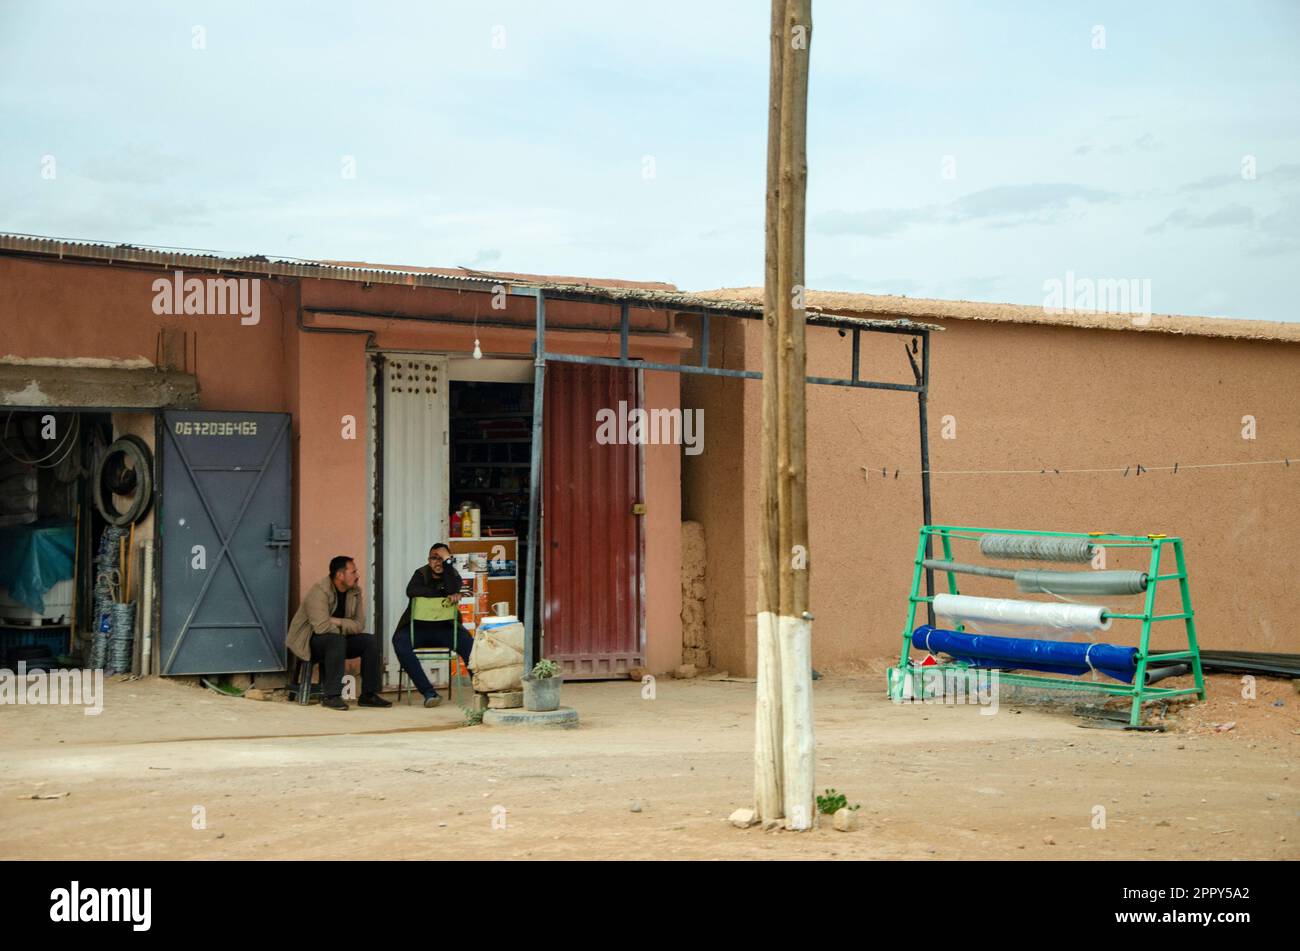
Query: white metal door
point(415, 410)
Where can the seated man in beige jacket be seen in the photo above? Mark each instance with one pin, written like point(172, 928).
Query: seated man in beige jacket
point(327, 629)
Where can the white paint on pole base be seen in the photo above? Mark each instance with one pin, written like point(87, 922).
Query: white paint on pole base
point(797, 740)
point(768, 800)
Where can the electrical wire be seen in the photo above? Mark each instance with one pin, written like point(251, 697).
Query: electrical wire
point(1176, 467)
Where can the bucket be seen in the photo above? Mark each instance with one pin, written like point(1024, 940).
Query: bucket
point(542, 695)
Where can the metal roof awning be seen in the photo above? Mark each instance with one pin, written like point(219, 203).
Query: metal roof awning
point(70, 386)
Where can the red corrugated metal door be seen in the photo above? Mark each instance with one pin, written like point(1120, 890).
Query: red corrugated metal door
point(592, 615)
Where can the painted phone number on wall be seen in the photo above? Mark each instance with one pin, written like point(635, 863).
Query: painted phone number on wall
point(228, 428)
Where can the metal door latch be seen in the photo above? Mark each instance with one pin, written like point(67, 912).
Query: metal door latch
point(281, 538)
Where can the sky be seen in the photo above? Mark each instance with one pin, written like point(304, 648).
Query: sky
point(958, 150)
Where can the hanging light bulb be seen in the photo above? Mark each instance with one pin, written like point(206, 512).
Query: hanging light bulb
point(478, 351)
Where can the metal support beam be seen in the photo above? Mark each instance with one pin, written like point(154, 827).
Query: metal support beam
point(718, 371)
point(926, 514)
point(704, 340)
point(377, 526)
point(624, 319)
point(531, 609)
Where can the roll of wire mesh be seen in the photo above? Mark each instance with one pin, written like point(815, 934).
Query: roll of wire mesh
point(1044, 581)
point(120, 643)
point(1081, 582)
point(98, 651)
point(106, 577)
point(1037, 548)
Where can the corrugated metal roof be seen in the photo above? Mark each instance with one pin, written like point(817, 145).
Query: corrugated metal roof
point(551, 280)
point(886, 305)
point(652, 295)
point(250, 264)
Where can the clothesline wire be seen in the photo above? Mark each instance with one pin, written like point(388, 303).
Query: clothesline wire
point(1042, 470)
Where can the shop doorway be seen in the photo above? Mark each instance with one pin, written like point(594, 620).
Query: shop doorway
point(491, 451)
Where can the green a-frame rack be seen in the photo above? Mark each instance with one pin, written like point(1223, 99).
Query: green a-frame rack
point(1139, 690)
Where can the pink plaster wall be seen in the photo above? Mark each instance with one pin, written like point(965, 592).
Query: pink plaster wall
point(1025, 396)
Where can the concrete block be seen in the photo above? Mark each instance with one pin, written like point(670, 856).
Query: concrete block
point(563, 717)
point(846, 820)
point(505, 700)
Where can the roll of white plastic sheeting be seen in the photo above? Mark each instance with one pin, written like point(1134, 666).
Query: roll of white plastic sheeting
point(1062, 617)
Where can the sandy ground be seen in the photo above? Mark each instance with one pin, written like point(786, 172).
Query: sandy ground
point(276, 780)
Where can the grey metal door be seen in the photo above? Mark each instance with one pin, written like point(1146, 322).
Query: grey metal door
point(224, 523)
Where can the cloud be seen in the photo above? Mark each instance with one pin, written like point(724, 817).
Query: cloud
point(984, 287)
point(874, 223)
point(1284, 174)
point(1226, 217)
point(133, 165)
point(1146, 142)
point(898, 286)
point(1229, 216)
point(1279, 232)
point(1000, 206)
point(1208, 182)
point(1024, 202)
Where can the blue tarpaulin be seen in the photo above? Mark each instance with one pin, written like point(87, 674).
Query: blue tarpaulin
point(34, 558)
point(1011, 653)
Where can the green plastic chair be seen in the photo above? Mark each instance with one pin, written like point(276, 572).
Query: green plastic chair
point(434, 609)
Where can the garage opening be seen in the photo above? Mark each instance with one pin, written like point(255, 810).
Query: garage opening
point(76, 516)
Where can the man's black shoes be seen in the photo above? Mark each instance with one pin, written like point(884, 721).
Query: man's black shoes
point(334, 703)
point(373, 700)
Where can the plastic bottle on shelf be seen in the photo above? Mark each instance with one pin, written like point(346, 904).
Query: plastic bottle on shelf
point(455, 524)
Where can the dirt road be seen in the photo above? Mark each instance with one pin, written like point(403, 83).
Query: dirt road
point(274, 780)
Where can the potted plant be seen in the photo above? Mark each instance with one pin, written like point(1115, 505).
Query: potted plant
point(542, 687)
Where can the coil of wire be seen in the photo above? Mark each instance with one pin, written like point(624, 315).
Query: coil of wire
point(98, 651)
point(122, 639)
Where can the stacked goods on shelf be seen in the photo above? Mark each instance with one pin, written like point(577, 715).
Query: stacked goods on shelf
point(491, 457)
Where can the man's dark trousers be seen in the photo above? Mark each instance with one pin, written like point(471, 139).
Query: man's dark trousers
point(331, 650)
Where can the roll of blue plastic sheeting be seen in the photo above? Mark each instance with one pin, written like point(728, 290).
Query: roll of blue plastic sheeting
point(1010, 653)
point(1036, 581)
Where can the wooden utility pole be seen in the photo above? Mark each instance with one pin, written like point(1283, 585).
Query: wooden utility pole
point(783, 745)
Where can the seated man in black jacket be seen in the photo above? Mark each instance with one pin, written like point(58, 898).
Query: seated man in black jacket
point(437, 579)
